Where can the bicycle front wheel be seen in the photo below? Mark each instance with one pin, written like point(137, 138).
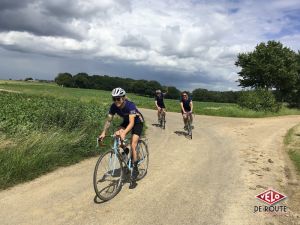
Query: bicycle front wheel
point(143, 159)
point(164, 121)
point(108, 175)
point(190, 132)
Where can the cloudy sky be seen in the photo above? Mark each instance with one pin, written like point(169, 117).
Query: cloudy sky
point(187, 43)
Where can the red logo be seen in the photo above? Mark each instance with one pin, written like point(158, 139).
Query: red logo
point(270, 196)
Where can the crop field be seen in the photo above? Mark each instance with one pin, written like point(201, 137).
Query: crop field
point(39, 134)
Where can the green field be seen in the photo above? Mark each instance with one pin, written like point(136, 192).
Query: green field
point(44, 126)
point(103, 98)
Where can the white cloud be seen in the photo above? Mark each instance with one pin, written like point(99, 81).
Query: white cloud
point(184, 37)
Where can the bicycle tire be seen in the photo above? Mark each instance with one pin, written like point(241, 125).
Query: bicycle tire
point(160, 122)
point(190, 132)
point(115, 172)
point(143, 158)
point(164, 121)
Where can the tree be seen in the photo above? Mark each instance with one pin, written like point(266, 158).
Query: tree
point(269, 66)
point(200, 94)
point(259, 100)
point(28, 79)
point(173, 93)
point(139, 86)
point(295, 96)
point(81, 80)
point(64, 79)
point(151, 86)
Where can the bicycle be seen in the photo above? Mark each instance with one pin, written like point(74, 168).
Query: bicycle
point(189, 125)
point(112, 168)
point(162, 119)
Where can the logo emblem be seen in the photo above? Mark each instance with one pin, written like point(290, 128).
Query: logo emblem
point(270, 196)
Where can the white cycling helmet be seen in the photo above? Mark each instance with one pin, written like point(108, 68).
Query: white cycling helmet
point(118, 92)
point(158, 91)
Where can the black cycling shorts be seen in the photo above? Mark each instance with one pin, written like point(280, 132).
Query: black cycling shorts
point(161, 106)
point(137, 128)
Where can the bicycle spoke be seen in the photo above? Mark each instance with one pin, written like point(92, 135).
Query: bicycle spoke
point(108, 176)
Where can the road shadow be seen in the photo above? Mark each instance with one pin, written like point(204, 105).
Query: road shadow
point(182, 133)
point(126, 180)
point(156, 125)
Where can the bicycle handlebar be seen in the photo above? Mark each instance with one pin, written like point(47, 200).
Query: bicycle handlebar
point(123, 142)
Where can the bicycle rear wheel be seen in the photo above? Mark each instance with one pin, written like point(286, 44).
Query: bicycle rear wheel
point(108, 175)
point(143, 159)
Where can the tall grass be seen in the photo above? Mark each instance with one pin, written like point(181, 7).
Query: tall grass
point(44, 133)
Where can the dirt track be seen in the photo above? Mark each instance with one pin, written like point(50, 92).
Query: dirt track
point(212, 179)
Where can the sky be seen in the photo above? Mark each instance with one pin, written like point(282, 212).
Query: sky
point(184, 43)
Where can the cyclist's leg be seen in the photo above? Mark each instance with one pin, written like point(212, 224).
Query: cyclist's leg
point(136, 133)
point(189, 117)
point(158, 114)
point(164, 112)
point(184, 117)
point(134, 141)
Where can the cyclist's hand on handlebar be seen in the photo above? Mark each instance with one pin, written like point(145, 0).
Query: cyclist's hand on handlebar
point(158, 108)
point(101, 137)
point(122, 136)
point(117, 133)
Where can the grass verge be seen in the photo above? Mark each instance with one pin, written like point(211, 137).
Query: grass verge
point(292, 143)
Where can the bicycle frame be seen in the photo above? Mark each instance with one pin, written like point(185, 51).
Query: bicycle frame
point(189, 125)
point(115, 148)
point(162, 118)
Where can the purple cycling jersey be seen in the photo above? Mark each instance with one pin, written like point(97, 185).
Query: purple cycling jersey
point(128, 109)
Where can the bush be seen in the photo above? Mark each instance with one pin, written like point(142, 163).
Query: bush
point(258, 100)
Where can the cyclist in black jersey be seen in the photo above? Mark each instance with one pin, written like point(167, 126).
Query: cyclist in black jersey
point(132, 121)
point(159, 103)
point(186, 105)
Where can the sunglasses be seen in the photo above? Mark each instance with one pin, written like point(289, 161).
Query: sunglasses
point(116, 99)
point(184, 95)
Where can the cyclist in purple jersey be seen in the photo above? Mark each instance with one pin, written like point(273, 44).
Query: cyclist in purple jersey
point(132, 121)
point(186, 105)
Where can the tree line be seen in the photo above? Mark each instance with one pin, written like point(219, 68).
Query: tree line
point(141, 87)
